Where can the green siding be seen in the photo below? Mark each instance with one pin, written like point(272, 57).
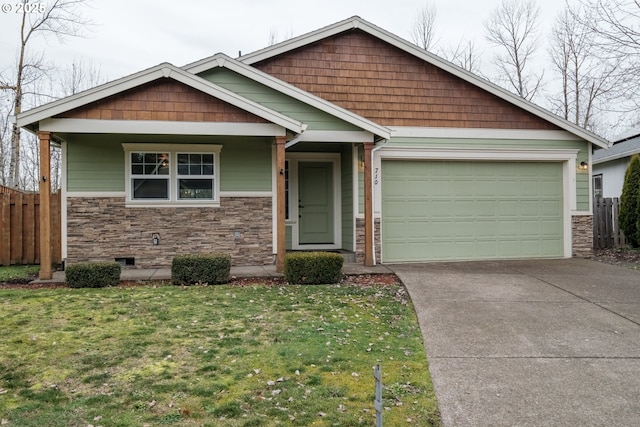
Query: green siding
point(245, 166)
point(289, 237)
point(95, 166)
point(448, 210)
point(347, 197)
point(316, 119)
point(95, 163)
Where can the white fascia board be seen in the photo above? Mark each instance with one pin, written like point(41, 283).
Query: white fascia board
point(303, 40)
point(494, 154)
point(163, 70)
point(359, 23)
point(91, 95)
point(153, 127)
point(336, 136)
point(221, 60)
point(482, 133)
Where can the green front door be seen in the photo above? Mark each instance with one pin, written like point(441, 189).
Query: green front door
point(315, 207)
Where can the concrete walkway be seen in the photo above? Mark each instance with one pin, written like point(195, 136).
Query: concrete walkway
point(137, 274)
point(530, 343)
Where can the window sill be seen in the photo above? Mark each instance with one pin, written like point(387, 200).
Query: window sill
point(172, 204)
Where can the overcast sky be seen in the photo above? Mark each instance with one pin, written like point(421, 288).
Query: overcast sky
point(131, 35)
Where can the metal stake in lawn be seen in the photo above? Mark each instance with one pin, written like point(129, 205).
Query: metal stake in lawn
point(377, 373)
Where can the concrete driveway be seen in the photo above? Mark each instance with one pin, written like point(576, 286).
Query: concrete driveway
point(530, 343)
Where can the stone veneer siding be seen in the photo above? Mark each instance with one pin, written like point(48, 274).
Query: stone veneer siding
point(102, 229)
point(582, 232)
point(360, 240)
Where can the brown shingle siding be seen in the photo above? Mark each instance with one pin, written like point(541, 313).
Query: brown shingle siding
point(163, 99)
point(381, 82)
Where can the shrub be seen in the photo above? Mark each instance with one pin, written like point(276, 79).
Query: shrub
point(313, 268)
point(92, 274)
point(209, 269)
point(629, 216)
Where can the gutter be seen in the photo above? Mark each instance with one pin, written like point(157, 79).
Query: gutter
point(373, 202)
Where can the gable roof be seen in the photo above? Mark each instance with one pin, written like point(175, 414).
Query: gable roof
point(619, 150)
point(165, 70)
point(356, 22)
point(222, 60)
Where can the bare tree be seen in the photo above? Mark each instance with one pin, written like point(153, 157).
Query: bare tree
point(512, 27)
point(616, 34)
point(59, 18)
point(79, 76)
point(588, 80)
point(464, 55)
point(274, 38)
point(423, 29)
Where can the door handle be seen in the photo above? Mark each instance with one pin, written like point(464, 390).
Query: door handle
point(301, 206)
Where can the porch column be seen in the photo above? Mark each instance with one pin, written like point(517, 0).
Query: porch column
point(45, 206)
point(280, 197)
point(368, 206)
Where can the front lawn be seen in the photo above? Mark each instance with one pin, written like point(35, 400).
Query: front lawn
point(252, 355)
point(18, 273)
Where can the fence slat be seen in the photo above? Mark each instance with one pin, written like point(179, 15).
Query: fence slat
point(606, 229)
point(20, 227)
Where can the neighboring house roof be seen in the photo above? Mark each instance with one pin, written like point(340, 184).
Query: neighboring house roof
point(356, 22)
point(631, 133)
point(617, 151)
point(165, 70)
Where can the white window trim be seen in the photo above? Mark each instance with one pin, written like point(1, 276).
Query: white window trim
point(173, 150)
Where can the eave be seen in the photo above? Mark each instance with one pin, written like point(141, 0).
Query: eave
point(165, 70)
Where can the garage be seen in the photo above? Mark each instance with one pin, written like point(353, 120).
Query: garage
point(464, 210)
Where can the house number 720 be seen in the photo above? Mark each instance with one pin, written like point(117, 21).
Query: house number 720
point(375, 177)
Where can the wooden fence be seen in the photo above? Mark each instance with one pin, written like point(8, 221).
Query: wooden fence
point(606, 229)
point(20, 228)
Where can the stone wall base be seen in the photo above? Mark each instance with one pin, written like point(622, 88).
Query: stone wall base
point(582, 232)
point(360, 240)
point(102, 229)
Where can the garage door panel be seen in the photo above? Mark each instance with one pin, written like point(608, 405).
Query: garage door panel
point(445, 210)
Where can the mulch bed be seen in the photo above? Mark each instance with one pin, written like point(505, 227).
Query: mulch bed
point(624, 257)
point(356, 279)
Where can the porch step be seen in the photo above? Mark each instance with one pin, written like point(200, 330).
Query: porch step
point(349, 257)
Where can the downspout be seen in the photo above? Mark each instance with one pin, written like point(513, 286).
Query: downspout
point(373, 200)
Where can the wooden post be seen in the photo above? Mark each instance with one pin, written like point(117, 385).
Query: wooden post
point(45, 206)
point(368, 206)
point(280, 200)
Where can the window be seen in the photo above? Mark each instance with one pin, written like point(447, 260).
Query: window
point(163, 174)
point(195, 176)
point(597, 186)
point(150, 175)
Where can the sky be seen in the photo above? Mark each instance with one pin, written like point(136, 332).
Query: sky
point(132, 35)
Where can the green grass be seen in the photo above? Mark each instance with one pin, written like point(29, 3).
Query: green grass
point(18, 273)
point(208, 356)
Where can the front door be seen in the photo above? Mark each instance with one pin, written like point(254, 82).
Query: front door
point(315, 207)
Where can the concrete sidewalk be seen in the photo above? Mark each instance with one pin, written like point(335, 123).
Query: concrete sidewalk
point(138, 274)
point(530, 343)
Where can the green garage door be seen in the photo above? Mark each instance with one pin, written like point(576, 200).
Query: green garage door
point(448, 210)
